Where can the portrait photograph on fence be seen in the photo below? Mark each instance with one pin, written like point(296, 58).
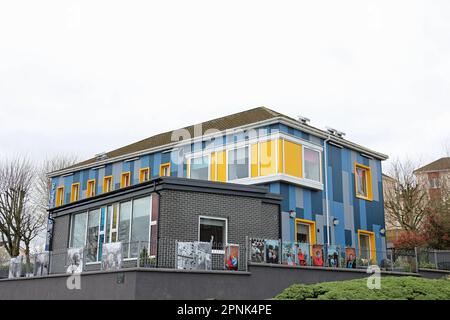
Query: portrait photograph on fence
point(231, 256)
point(257, 250)
point(74, 260)
point(112, 256)
point(15, 267)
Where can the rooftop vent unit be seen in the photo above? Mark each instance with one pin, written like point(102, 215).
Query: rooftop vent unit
point(100, 156)
point(303, 120)
point(335, 132)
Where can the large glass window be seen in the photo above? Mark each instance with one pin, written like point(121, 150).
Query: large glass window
point(213, 229)
point(92, 235)
point(124, 227)
point(141, 224)
point(199, 168)
point(78, 230)
point(238, 163)
point(312, 164)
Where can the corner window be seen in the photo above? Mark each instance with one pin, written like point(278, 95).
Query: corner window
point(311, 164)
point(363, 182)
point(75, 192)
point(124, 227)
point(59, 196)
point(144, 174)
point(199, 168)
point(238, 163)
point(213, 230)
point(164, 170)
point(78, 230)
point(90, 190)
point(125, 179)
point(107, 184)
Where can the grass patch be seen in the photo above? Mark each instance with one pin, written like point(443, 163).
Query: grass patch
point(392, 288)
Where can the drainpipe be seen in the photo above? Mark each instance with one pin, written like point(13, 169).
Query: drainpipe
point(327, 206)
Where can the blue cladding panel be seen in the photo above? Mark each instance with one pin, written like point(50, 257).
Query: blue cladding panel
point(307, 203)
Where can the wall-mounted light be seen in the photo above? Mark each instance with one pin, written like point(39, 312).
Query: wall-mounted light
point(292, 213)
point(382, 231)
point(335, 221)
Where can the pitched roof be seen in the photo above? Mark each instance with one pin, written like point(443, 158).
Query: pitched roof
point(438, 165)
point(235, 120)
point(228, 122)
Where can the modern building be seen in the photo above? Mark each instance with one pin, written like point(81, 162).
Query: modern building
point(323, 188)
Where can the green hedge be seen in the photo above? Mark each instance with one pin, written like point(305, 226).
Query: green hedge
point(392, 288)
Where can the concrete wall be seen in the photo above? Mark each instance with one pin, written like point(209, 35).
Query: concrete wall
point(262, 282)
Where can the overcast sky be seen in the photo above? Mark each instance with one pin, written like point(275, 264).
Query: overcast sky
point(82, 77)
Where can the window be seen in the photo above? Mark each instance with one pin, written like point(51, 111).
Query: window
point(434, 183)
point(215, 230)
point(75, 192)
point(366, 244)
point(111, 222)
point(305, 231)
point(141, 224)
point(107, 184)
point(59, 196)
point(124, 227)
point(144, 174)
point(164, 170)
point(90, 191)
point(125, 179)
point(363, 182)
point(78, 230)
point(238, 163)
point(199, 168)
point(311, 164)
point(92, 235)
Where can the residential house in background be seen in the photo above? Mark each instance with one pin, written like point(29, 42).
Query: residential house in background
point(435, 176)
point(331, 189)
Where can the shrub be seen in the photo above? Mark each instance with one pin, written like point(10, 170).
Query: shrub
point(392, 288)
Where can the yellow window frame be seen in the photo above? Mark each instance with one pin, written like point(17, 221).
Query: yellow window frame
point(125, 176)
point(142, 172)
point(373, 248)
point(75, 196)
point(108, 180)
point(162, 167)
point(90, 188)
point(312, 229)
point(59, 196)
point(368, 182)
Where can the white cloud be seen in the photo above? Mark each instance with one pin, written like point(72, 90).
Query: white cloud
point(90, 76)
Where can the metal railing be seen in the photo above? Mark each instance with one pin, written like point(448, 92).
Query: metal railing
point(333, 256)
point(433, 259)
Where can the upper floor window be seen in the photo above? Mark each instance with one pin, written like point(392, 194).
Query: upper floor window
point(363, 182)
point(144, 174)
point(90, 190)
point(59, 196)
point(238, 163)
point(311, 164)
point(108, 184)
point(199, 168)
point(75, 192)
point(125, 179)
point(434, 183)
point(164, 170)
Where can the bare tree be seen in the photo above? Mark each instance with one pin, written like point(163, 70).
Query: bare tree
point(407, 202)
point(16, 181)
point(43, 183)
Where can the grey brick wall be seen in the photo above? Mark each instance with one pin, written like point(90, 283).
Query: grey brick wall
point(61, 231)
point(179, 220)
